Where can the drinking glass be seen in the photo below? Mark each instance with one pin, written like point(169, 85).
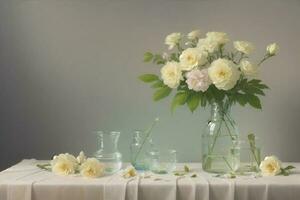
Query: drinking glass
point(163, 161)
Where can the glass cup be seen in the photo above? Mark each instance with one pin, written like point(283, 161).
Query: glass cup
point(163, 161)
point(139, 149)
point(250, 156)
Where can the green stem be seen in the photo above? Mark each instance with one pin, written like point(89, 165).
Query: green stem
point(228, 164)
point(215, 139)
point(232, 138)
point(264, 59)
point(44, 166)
point(242, 56)
point(254, 155)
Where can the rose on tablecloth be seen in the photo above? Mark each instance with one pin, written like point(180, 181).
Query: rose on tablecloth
point(272, 166)
point(66, 164)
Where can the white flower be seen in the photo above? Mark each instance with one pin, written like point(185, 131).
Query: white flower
point(81, 157)
point(206, 44)
point(270, 166)
point(172, 40)
point(64, 164)
point(192, 57)
point(249, 69)
point(165, 56)
point(171, 74)
point(223, 73)
point(218, 37)
point(244, 46)
point(272, 49)
point(193, 35)
point(198, 80)
point(129, 172)
point(92, 168)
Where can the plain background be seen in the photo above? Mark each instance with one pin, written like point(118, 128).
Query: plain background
point(68, 68)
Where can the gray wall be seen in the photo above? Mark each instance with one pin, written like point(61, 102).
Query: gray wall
point(70, 67)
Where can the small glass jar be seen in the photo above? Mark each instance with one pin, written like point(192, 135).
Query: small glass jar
point(139, 149)
point(108, 152)
point(250, 156)
point(163, 161)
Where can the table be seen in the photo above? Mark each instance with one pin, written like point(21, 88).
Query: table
point(25, 181)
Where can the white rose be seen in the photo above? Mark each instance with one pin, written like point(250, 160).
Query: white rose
point(248, 69)
point(92, 168)
point(81, 157)
point(64, 164)
point(191, 58)
point(218, 37)
point(171, 74)
point(172, 40)
point(198, 80)
point(272, 49)
point(223, 73)
point(129, 172)
point(193, 35)
point(206, 44)
point(270, 166)
point(244, 47)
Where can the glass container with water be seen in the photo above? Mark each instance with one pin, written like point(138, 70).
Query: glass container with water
point(108, 152)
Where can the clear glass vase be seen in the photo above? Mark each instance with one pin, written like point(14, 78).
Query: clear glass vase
point(140, 148)
point(108, 153)
point(250, 156)
point(219, 151)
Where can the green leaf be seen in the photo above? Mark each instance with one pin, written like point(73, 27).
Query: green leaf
point(148, 56)
point(158, 84)
point(257, 91)
point(161, 93)
point(158, 59)
point(179, 99)
point(262, 86)
point(213, 92)
point(241, 99)
point(179, 173)
point(284, 172)
point(147, 78)
point(203, 101)
point(289, 167)
point(254, 81)
point(193, 101)
point(186, 168)
point(174, 57)
point(194, 176)
point(253, 101)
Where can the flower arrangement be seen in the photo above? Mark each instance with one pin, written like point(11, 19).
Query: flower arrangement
point(204, 70)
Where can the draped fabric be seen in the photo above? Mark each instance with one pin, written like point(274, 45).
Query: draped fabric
point(25, 181)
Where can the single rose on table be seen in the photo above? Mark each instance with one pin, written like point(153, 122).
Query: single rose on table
point(272, 166)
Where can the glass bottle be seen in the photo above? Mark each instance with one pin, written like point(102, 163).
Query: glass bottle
point(108, 153)
point(140, 148)
point(219, 154)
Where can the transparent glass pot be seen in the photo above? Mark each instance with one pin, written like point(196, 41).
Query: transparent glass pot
point(163, 161)
point(108, 152)
point(219, 154)
point(139, 149)
point(250, 156)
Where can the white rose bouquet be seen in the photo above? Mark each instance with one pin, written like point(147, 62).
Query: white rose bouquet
point(206, 70)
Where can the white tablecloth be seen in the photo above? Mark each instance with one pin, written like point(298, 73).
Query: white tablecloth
point(26, 181)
